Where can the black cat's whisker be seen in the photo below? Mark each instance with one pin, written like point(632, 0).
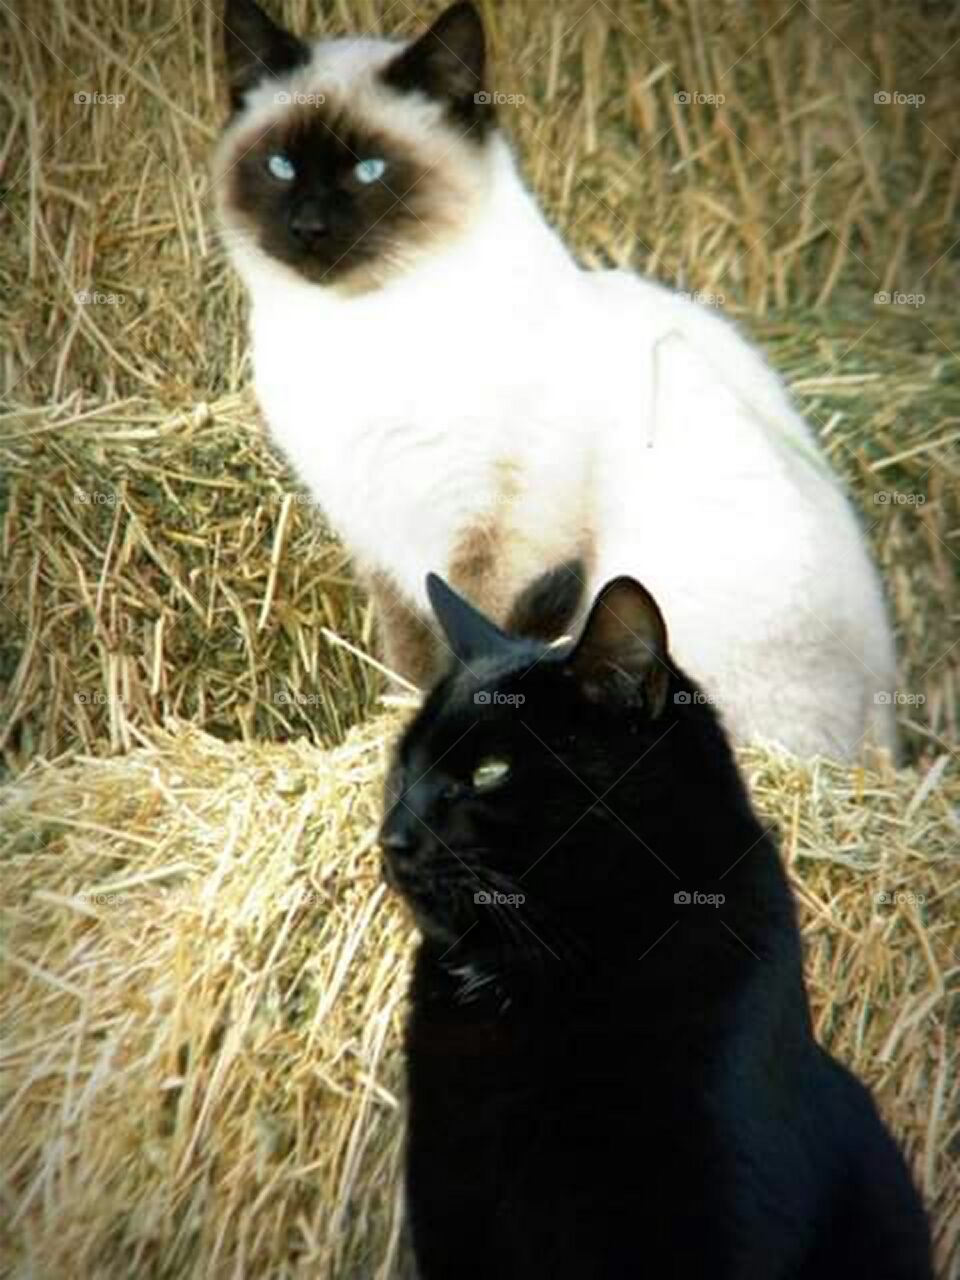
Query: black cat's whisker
point(521, 917)
point(505, 926)
point(563, 944)
point(523, 921)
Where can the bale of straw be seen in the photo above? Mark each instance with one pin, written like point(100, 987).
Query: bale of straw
point(164, 564)
point(204, 982)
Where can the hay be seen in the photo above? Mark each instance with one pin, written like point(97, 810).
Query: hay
point(163, 565)
point(201, 1076)
point(205, 977)
point(157, 560)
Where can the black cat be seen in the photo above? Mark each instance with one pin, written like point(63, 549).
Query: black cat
point(611, 1067)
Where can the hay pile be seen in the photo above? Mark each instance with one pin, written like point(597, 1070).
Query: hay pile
point(205, 977)
point(201, 971)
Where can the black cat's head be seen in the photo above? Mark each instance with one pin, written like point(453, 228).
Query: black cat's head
point(541, 793)
point(345, 160)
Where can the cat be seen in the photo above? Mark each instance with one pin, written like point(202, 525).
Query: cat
point(611, 1069)
point(456, 392)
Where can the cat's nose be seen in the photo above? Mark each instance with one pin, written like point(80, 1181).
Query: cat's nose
point(400, 853)
point(398, 842)
point(398, 838)
point(308, 223)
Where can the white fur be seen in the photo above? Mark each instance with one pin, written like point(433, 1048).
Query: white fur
point(609, 395)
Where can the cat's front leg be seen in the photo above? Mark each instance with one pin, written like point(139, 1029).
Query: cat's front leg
point(408, 647)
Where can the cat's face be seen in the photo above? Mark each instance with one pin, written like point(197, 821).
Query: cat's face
point(506, 783)
point(347, 160)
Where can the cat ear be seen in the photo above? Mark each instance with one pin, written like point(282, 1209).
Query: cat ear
point(256, 47)
point(469, 634)
point(545, 609)
point(447, 62)
point(622, 651)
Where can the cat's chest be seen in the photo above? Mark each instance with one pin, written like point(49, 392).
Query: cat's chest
point(427, 361)
point(382, 420)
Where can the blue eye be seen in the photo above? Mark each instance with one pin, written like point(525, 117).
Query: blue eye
point(370, 170)
point(281, 168)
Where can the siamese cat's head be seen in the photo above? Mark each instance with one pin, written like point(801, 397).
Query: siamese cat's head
point(346, 160)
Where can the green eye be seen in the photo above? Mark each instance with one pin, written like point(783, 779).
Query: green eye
point(490, 773)
point(370, 170)
point(281, 167)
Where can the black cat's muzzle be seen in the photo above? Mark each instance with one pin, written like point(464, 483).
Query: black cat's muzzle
point(424, 872)
point(409, 850)
point(398, 857)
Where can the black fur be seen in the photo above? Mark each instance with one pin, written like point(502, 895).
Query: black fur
point(255, 47)
point(448, 63)
point(607, 1082)
point(548, 607)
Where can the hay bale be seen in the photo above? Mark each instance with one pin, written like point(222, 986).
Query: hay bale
point(164, 564)
point(205, 977)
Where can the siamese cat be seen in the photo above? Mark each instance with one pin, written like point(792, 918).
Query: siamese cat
point(458, 393)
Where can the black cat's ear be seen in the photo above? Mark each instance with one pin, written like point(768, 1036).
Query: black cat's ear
point(469, 634)
point(545, 609)
point(622, 651)
point(447, 63)
point(256, 47)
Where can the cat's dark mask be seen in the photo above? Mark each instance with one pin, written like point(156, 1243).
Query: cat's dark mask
point(495, 783)
point(343, 178)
